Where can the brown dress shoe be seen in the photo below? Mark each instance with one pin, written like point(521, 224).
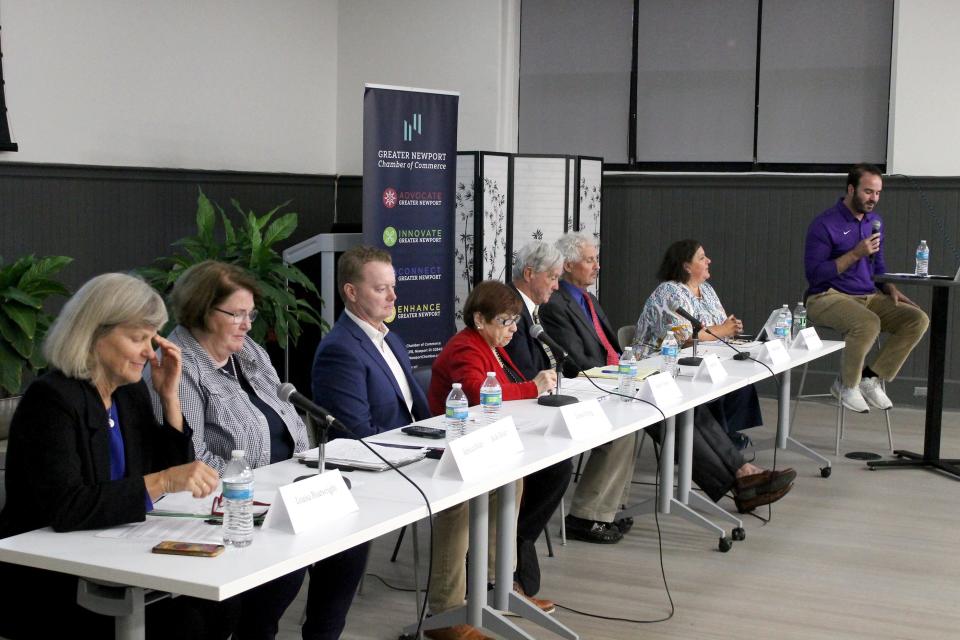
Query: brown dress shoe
point(459, 632)
point(547, 606)
point(748, 504)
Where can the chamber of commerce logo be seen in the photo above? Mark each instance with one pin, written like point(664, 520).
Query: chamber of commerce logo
point(389, 236)
point(415, 124)
point(389, 197)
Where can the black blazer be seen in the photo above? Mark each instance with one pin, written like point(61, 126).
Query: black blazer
point(564, 321)
point(58, 457)
point(525, 351)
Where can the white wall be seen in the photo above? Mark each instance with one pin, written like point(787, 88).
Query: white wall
point(201, 84)
point(468, 46)
point(924, 131)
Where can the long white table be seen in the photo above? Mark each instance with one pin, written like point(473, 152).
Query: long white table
point(386, 504)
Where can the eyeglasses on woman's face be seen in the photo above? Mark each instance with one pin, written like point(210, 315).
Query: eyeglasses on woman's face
point(239, 316)
point(507, 321)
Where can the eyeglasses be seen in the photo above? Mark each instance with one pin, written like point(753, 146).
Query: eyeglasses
point(216, 510)
point(238, 316)
point(507, 322)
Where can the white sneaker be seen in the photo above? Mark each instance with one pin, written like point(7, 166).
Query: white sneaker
point(873, 393)
point(850, 397)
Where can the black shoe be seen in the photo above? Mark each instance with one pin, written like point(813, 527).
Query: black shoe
point(591, 531)
point(624, 525)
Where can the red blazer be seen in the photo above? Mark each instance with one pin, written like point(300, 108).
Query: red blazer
point(466, 359)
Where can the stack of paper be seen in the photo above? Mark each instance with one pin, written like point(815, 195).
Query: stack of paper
point(351, 453)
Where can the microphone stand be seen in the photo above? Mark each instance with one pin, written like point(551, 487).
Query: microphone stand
point(693, 360)
point(556, 399)
point(322, 433)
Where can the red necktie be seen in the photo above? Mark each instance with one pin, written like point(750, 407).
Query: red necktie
point(612, 356)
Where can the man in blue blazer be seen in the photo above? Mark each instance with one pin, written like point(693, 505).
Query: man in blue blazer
point(361, 371)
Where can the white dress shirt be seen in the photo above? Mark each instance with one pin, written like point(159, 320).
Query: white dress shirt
point(379, 339)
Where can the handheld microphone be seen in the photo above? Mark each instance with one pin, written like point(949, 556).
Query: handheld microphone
point(537, 331)
point(876, 229)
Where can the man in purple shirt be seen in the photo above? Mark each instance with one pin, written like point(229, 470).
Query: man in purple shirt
point(842, 255)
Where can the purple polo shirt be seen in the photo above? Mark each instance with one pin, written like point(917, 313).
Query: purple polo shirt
point(831, 234)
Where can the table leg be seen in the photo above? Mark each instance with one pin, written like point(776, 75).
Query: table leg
point(125, 604)
point(504, 598)
point(931, 433)
point(783, 440)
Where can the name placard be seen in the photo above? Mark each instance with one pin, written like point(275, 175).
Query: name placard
point(774, 353)
point(710, 370)
point(660, 389)
point(807, 339)
point(472, 456)
point(579, 421)
point(301, 506)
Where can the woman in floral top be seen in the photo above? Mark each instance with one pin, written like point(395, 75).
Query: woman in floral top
point(717, 465)
point(683, 278)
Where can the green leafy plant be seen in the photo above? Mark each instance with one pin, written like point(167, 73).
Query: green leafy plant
point(249, 244)
point(24, 286)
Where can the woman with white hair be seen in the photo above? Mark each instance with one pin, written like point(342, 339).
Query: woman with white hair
point(86, 452)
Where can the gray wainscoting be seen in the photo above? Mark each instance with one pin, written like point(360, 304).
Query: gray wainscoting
point(753, 227)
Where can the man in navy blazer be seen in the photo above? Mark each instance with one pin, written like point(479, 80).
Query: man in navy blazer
point(574, 319)
point(361, 371)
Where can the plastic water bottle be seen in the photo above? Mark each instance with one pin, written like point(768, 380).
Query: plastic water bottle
point(627, 371)
point(669, 350)
point(923, 260)
point(491, 398)
point(456, 414)
point(799, 319)
point(237, 501)
point(781, 330)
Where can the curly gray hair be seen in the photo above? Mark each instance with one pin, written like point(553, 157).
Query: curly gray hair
point(571, 244)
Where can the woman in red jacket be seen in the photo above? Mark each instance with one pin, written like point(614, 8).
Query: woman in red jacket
point(490, 313)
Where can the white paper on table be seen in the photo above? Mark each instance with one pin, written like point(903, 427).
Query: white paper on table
point(160, 529)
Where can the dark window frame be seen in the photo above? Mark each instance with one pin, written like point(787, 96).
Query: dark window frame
point(6, 144)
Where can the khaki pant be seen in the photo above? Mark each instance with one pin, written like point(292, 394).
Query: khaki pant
point(861, 319)
point(451, 537)
point(605, 483)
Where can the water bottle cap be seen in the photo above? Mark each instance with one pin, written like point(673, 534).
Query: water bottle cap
point(237, 453)
point(491, 373)
point(457, 385)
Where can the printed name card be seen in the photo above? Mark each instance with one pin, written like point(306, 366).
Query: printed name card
point(660, 389)
point(807, 339)
point(304, 505)
point(470, 457)
point(710, 370)
point(774, 353)
point(579, 421)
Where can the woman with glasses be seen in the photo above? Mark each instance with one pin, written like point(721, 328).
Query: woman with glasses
point(86, 452)
point(229, 393)
point(491, 313)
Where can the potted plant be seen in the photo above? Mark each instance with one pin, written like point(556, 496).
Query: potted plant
point(24, 286)
point(249, 244)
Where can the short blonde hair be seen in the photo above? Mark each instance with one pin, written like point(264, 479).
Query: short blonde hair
point(101, 304)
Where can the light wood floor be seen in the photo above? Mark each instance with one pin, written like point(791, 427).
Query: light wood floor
point(863, 554)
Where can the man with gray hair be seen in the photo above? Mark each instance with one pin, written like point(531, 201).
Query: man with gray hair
point(536, 273)
point(574, 319)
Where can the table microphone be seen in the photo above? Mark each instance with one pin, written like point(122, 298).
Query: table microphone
point(697, 325)
point(288, 393)
point(560, 354)
point(537, 331)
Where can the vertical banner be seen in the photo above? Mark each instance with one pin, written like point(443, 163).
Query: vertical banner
point(409, 189)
